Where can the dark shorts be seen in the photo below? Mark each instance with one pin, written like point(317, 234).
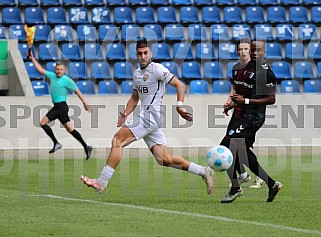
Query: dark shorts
point(59, 111)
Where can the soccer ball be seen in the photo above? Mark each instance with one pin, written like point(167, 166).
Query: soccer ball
point(219, 158)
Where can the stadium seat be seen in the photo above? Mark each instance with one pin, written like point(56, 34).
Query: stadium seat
point(213, 70)
point(307, 32)
point(205, 51)
point(298, 14)
point(93, 52)
point(314, 51)
point(56, 15)
point(254, 15)
point(183, 51)
point(137, 3)
point(145, 15)
point(285, 32)
point(211, 15)
point(161, 52)
point(172, 67)
point(123, 71)
point(282, 70)
point(159, 2)
point(50, 66)
point(294, 51)
point(311, 2)
point(78, 71)
point(48, 52)
point(7, 3)
point(107, 87)
point(153, 32)
point(27, 3)
point(263, 32)
point(191, 70)
point(276, 14)
point(108, 33)
point(319, 69)
point(2, 32)
point(130, 32)
point(269, 2)
point(203, 2)
point(273, 51)
point(240, 31)
point(50, 3)
point(40, 88)
point(132, 52)
point(100, 15)
point(179, 3)
point(290, 86)
point(197, 32)
point(127, 87)
point(312, 86)
point(316, 14)
point(115, 52)
point(166, 15)
point(71, 52)
point(11, 15)
point(220, 32)
point(225, 2)
point(32, 71)
point(198, 87)
point(63, 33)
point(246, 2)
point(94, 3)
point(229, 68)
point(23, 48)
point(174, 32)
point(86, 33)
point(290, 2)
point(86, 87)
point(189, 15)
point(100, 71)
point(34, 15)
point(123, 15)
point(170, 89)
point(116, 3)
point(222, 87)
point(17, 32)
point(78, 15)
point(227, 51)
point(304, 70)
point(42, 33)
point(232, 14)
point(71, 3)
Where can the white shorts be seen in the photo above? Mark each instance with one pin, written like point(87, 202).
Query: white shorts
point(148, 128)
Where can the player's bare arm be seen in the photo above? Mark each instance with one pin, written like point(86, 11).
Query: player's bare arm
point(130, 106)
point(229, 104)
point(266, 100)
point(36, 64)
point(81, 97)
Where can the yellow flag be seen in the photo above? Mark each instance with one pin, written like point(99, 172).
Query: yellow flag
point(30, 33)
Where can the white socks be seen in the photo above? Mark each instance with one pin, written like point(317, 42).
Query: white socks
point(196, 169)
point(106, 174)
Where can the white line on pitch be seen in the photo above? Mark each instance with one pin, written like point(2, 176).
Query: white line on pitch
point(219, 218)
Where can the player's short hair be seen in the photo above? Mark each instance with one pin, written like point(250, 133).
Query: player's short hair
point(60, 64)
point(244, 41)
point(142, 43)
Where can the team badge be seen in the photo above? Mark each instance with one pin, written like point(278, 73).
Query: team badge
point(145, 77)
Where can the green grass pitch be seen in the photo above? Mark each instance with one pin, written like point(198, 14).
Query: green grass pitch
point(47, 198)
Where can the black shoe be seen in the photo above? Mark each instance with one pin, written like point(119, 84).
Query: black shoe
point(88, 151)
point(274, 191)
point(56, 147)
point(232, 195)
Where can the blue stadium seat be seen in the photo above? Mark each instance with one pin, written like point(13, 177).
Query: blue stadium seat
point(225, 2)
point(268, 2)
point(100, 71)
point(222, 87)
point(132, 52)
point(273, 51)
point(86, 87)
point(11, 15)
point(276, 14)
point(48, 52)
point(191, 70)
point(180, 3)
point(78, 15)
point(71, 52)
point(50, 3)
point(172, 67)
point(304, 70)
point(63, 33)
point(227, 51)
point(94, 3)
point(254, 14)
point(7, 3)
point(123, 15)
point(174, 32)
point(2, 32)
point(170, 89)
point(213, 70)
point(86, 33)
point(130, 32)
point(189, 15)
point(198, 87)
point(205, 51)
point(314, 51)
point(161, 52)
point(23, 48)
point(298, 14)
point(17, 32)
point(50, 66)
point(123, 71)
point(166, 15)
point(153, 32)
point(40, 88)
point(27, 3)
point(115, 52)
point(211, 15)
point(263, 32)
point(290, 2)
point(183, 51)
point(137, 3)
point(233, 14)
point(311, 2)
point(78, 71)
point(42, 33)
point(294, 51)
point(56, 15)
point(229, 68)
point(240, 31)
point(197, 32)
point(107, 87)
point(290, 86)
point(319, 69)
point(220, 32)
point(127, 87)
point(71, 3)
point(34, 15)
point(32, 71)
point(100, 15)
point(116, 3)
point(307, 32)
point(285, 32)
point(159, 2)
point(312, 86)
point(246, 2)
point(282, 70)
point(93, 51)
point(108, 33)
point(203, 2)
point(316, 14)
point(145, 15)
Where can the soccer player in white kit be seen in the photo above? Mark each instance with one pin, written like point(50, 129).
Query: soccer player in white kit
point(149, 87)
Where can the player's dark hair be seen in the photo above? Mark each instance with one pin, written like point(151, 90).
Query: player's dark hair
point(142, 43)
point(244, 41)
point(60, 64)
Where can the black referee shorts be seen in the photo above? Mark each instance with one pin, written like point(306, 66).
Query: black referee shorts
point(59, 111)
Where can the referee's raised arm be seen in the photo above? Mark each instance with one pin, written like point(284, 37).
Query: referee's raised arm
point(39, 68)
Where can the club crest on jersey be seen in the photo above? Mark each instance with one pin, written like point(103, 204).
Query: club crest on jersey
point(145, 77)
point(251, 75)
